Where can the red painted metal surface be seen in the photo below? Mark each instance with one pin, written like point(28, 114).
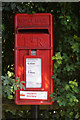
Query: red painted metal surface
point(34, 32)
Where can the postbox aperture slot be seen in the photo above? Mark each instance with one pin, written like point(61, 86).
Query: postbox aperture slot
point(32, 31)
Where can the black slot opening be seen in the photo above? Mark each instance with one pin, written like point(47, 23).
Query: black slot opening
point(31, 31)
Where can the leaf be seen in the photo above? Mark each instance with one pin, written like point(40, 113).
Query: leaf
point(43, 9)
point(53, 58)
point(55, 65)
point(12, 89)
point(71, 100)
point(39, 8)
point(53, 99)
point(61, 17)
point(54, 76)
point(10, 97)
point(77, 116)
point(76, 38)
point(68, 17)
point(64, 103)
point(13, 5)
point(15, 87)
point(71, 113)
point(23, 87)
point(6, 82)
point(69, 27)
point(60, 103)
point(19, 9)
point(18, 79)
point(75, 90)
point(68, 67)
point(67, 96)
point(59, 61)
point(13, 80)
point(33, 12)
point(76, 100)
point(58, 56)
point(22, 82)
point(20, 86)
point(51, 96)
point(8, 92)
point(2, 78)
point(73, 83)
point(67, 87)
point(13, 84)
point(3, 27)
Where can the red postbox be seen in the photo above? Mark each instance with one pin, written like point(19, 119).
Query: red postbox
point(33, 58)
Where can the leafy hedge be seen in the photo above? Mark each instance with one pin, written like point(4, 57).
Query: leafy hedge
point(66, 70)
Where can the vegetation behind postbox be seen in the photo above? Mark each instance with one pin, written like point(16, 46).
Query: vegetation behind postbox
point(66, 56)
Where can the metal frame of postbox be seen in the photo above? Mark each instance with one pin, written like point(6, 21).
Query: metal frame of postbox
point(44, 51)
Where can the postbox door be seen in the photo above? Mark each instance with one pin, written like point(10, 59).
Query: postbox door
point(33, 58)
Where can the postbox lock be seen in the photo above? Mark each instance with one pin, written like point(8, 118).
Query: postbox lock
point(33, 52)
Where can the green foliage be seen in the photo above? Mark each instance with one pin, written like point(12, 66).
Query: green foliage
point(66, 68)
point(66, 82)
point(66, 59)
point(9, 114)
point(9, 85)
point(69, 94)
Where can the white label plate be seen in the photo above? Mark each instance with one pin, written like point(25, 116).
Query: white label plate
point(33, 73)
point(33, 95)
